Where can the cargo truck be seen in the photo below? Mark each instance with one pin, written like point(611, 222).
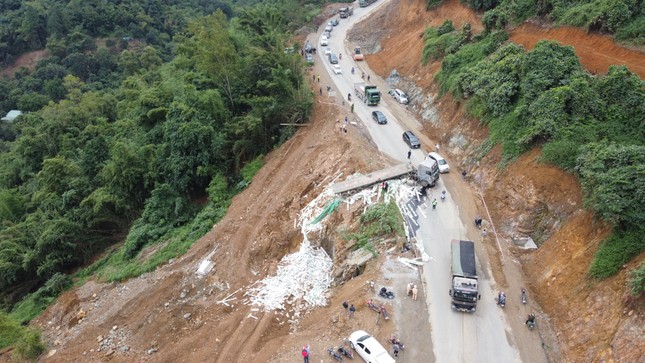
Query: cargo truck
point(346, 12)
point(364, 3)
point(464, 291)
point(367, 93)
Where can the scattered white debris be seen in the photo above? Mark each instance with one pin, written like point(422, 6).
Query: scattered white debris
point(206, 265)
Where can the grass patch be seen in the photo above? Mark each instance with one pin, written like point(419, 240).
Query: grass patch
point(637, 280)
point(378, 221)
point(616, 251)
point(26, 341)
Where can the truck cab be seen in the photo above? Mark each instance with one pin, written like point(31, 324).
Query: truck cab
point(428, 173)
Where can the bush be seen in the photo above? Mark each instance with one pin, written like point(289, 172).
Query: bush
point(29, 345)
point(616, 251)
point(633, 31)
point(637, 280)
point(382, 219)
point(10, 331)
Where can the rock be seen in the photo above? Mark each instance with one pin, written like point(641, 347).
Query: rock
point(124, 349)
point(182, 295)
point(166, 305)
point(81, 314)
point(187, 316)
point(51, 352)
point(114, 327)
point(94, 296)
point(109, 353)
point(57, 342)
point(99, 338)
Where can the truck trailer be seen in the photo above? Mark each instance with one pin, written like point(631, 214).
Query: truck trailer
point(367, 93)
point(464, 291)
point(364, 3)
point(425, 174)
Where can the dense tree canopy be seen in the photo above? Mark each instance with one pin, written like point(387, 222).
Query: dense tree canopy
point(123, 143)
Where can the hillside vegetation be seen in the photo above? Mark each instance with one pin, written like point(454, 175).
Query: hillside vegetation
point(623, 18)
point(592, 126)
point(143, 144)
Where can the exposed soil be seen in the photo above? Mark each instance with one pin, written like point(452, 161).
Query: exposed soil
point(146, 319)
point(27, 60)
point(597, 52)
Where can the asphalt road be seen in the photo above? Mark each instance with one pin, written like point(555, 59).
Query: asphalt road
point(484, 336)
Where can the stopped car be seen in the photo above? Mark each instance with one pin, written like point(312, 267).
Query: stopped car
point(334, 22)
point(309, 59)
point(336, 69)
point(400, 96)
point(328, 28)
point(327, 51)
point(411, 139)
point(379, 117)
point(333, 59)
point(443, 164)
point(369, 348)
point(324, 41)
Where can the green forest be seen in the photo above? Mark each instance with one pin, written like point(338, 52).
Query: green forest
point(623, 18)
point(138, 128)
point(591, 126)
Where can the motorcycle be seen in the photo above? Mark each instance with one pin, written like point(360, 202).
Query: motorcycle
point(501, 299)
point(345, 352)
point(386, 294)
point(523, 296)
point(443, 196)
point(393, 341)
point(335, 355)
point(530, 322)
point(478, 222)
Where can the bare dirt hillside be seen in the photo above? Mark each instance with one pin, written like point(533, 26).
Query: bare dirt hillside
point(596, 321)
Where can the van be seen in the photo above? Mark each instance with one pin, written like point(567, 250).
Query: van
point(443, 164)
point(411, 139)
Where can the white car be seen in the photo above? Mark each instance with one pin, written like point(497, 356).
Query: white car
point(336, 69)
point(400, 96)
point(327, 51)
point(369, 348)
point(443, 164)
point(324, 41)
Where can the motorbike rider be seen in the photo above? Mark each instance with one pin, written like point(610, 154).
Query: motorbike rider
point(501, 298)
point(352, 70)
point(443, 195)
point(530, 320)
point(478, 222)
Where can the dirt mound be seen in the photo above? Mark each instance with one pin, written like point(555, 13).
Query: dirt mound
point(27, 60)
point(597, 52)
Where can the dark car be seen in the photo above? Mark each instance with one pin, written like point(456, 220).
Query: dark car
point(334, 22)
point(379, 117)
point(411, 139)
point(333, 59)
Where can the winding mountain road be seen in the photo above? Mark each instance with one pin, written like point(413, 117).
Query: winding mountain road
point(486, 335)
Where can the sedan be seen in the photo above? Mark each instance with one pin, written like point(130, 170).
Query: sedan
point(327, 51)
point(379, 117)
point(336, 69)
point(369, 348)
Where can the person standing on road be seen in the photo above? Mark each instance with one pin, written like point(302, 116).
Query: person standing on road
point(319, 78)
point(414, 292)
point(352, 108)
point(409, 154)
point(368, 77)
point(345, 305)
point(305, 353)
point(409, 290)
point(352, 309)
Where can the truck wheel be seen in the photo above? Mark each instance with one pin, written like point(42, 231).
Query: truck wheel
point(424, 183)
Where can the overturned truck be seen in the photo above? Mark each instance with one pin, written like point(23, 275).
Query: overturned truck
point(425, 174)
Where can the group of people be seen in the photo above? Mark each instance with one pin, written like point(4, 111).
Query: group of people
point(349, 308)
